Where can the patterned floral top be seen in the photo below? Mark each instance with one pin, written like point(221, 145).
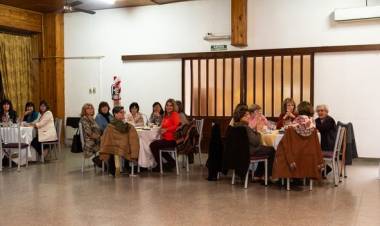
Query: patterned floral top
point(91, 134)
point(303, 125)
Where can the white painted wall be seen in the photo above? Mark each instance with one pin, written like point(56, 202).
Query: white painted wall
point(349, 84)
point(180, 27)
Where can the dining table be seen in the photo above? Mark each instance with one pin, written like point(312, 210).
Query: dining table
point(27, 135)
point(273, 138)
point(146, 136)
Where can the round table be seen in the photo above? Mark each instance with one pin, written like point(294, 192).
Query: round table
point(27, 135)
point(146, 137)
point(273, 138)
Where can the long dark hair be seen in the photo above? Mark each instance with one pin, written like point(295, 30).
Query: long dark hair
point(4, 102)
point(30, 104)
point(43, 102)
point(102, 105)
point(158, 103)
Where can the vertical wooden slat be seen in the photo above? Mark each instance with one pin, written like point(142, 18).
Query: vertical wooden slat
point(215, 89)
point(263, 85)
point(243, 80)
point(312, 79)
point(224, 87)
point(282, 78)
point(183, 83)
point(272, 86)
point(254, 80)
point(301, 82)
point(199, 87)
point(192, 87)
point(233, 85)
point(207, 68)
point(291, 76)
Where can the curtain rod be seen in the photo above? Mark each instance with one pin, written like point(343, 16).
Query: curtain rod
point(68, 58)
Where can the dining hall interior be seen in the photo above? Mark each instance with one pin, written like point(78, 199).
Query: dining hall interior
point(189, 112)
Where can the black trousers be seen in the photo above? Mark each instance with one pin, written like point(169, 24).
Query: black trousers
point(261, 152)
point(158, 145)
point(36, 145)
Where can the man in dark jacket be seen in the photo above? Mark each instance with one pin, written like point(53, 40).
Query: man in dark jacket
point(327, 127)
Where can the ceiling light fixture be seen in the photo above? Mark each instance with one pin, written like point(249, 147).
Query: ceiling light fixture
point(111, 2)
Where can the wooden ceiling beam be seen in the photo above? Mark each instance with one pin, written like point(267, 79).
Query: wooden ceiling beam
point(239, 23)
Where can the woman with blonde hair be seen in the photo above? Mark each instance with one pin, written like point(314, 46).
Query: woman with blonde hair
point(288, 113)
point(91, 133)
point(170, 122)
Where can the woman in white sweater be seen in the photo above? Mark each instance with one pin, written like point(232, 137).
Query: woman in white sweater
point(45, 127)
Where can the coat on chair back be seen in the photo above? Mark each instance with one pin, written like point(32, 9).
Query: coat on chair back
point(236, 154)
point(305, 151)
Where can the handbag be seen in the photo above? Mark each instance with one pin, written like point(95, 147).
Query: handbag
point(76, 146)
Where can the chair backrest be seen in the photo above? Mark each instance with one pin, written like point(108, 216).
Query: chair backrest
point(199, 123)
point(236, 153)
point(58, 127)
point(339, 141)
point(81, 135)
point(10, 134)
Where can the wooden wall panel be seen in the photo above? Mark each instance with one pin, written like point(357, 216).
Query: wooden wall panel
point(239, 22)
point(19, 19)
point(52, 64)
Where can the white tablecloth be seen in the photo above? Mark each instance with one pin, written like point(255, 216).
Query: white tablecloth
point(279, 137)
point(146, 158)
point(27, 135)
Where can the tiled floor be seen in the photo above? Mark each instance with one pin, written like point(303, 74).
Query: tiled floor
point(58, 194)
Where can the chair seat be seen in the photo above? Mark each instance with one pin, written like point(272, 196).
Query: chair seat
point(328, 154)
point(48, 142)
point(256, 158)
point(168, 149)
point(15, 145)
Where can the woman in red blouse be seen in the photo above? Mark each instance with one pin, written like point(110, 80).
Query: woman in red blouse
point(169, 125)
point(288, 113)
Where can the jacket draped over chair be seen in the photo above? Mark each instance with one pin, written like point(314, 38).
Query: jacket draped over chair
point(117, 142)
point(305, 151)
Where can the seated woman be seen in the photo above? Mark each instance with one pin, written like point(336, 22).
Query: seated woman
point(157, 114)
point(104, 116)
point(256, 149)
point(91, 133)
point(299, 154)
point(169, 125)
point(288, 113)
point(45, 128)
point(7, 114)
point(121, 139)
point(30, 115)
point(327, 127)
point(135, 117)
point(181, 112)
point(257, 121)
point(237, 108)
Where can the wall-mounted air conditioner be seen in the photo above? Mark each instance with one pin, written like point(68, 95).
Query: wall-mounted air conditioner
point(362, 13)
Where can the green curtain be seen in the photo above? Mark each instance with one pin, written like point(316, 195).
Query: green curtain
point(16, 68)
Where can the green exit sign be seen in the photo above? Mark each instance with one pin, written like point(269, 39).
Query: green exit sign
point(218, 47)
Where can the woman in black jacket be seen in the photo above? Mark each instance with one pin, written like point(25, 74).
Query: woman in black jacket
point(7, 114)
point(327, 127)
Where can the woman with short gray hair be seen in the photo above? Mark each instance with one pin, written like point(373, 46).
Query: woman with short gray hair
point(326, 126)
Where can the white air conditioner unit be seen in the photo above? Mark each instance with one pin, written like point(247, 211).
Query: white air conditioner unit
point(362, 13)
point(216, 37)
